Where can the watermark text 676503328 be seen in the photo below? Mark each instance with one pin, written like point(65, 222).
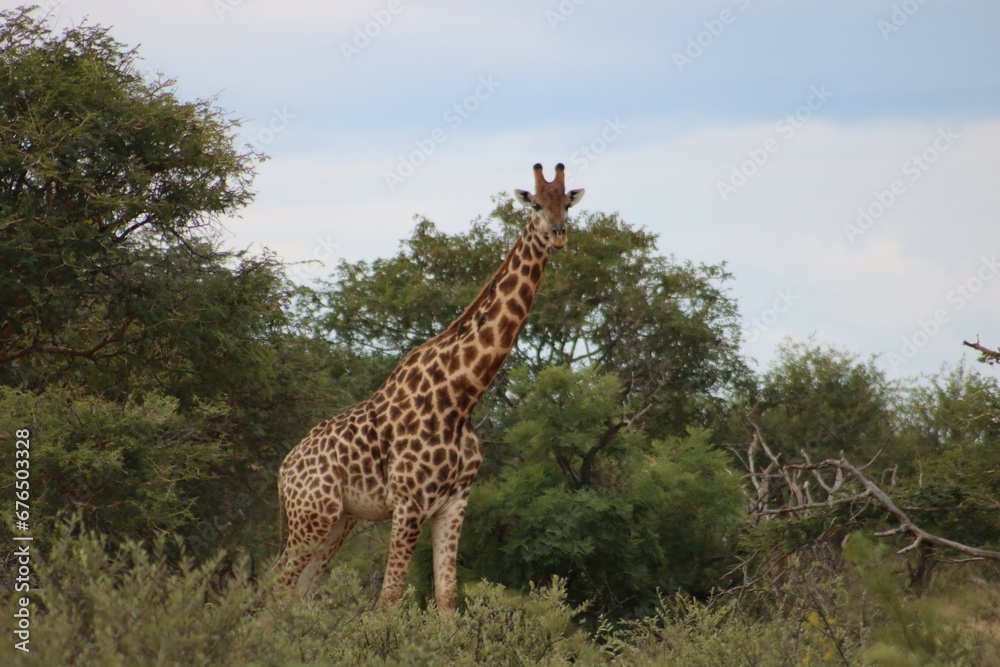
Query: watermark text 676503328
point(22, 551)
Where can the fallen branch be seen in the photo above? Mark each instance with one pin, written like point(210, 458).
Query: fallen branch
point(833, 502)
point(794, 496)
point(905, 524)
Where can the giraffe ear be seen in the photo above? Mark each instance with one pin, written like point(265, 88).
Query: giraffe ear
point(574, 197)
point(524, 197)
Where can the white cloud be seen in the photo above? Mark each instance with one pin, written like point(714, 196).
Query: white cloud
point(782, 231)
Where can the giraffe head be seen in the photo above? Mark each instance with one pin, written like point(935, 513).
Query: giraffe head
point(550, 205)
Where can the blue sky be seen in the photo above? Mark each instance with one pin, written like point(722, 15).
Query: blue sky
point(842, 156)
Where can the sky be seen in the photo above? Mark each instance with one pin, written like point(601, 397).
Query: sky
point(842, 157)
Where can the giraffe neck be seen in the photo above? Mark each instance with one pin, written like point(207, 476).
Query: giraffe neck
point(450, 372)
point(503, 304)
point(479, 340)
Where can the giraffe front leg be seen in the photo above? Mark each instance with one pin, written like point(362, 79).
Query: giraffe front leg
point(407, 520)
point(446, 526)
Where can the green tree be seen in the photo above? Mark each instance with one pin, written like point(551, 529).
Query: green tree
point(618, 515)
point(610, 301)
point(161, 376)
point(822, 401)
point(110, 188)
point(952, 429)
point(938, 456)
point(825, 401)
point(959, 407)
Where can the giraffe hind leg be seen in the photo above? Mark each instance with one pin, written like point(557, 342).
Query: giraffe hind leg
point(320, 557)
point(446, 527)
point(312, 541)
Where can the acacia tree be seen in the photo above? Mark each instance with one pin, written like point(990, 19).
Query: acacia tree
point(590, 473)
point(152, 365)
point(110, 188)
point(610, 302)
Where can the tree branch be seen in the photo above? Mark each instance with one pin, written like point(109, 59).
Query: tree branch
point(905, 524)
point(567, 468)
point(36, 348)
point(989, 356)
point(816, 505)
point(588, 460)
point(798, 501)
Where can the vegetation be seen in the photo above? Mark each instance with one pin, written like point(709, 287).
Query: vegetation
point(647, 498)
point(141, 605)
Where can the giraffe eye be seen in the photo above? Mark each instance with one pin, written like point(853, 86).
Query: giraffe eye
point(537, 207)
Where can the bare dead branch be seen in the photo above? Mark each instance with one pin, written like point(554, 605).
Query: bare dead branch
point(905, 524)
point(833, 502)
point(796, 496)
point(990, 356)
point(776, 464)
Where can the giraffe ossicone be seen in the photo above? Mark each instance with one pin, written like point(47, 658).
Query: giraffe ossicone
point(408, 452)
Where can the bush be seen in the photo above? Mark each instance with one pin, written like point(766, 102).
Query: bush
point(688, 633)
point(133, 607)
point(95, 605)
point(913, 632)
point(129, 470)
point(130, 608)
point(617, 515)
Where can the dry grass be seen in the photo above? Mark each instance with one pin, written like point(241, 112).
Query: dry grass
point(969, 602)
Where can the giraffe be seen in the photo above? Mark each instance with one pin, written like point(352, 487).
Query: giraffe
point(408, 452)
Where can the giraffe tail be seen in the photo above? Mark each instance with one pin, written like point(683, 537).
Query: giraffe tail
point(282, 520)
point(278, 564)
point(282, 516)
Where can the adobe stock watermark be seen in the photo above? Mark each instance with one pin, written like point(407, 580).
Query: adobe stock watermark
point(223, 7)
point(21, 557)
point(364, 34)
point(740, 174)
point(278, 122)
point(586, 153)
point(564, 10)
point(454, 117)
point(713, 29)
point(901, 14)
point(783, 302)
point(957, 298)
point(323, 253)
point(913, 169)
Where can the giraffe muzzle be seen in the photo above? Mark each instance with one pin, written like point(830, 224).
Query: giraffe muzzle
point(558, 236)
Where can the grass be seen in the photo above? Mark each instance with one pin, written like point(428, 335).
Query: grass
point(143, 606)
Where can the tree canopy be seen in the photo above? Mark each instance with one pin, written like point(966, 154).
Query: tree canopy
point(150, 363)
point(110, 191)
point(825, 401)
point(611, 302)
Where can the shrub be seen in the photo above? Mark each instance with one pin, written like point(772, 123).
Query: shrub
point(94, 605)
point(132, 607)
